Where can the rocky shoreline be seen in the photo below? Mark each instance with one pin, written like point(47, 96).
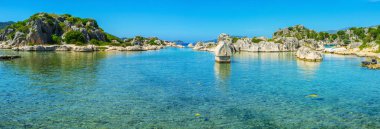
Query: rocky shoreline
point(88, 48)
point(355, 51)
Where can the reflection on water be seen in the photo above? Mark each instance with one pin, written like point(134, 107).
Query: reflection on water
point(222, 70)
point(222, 74)
point(264, 56)
point(308, 69)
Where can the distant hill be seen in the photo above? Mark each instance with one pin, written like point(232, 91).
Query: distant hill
point(5, 24)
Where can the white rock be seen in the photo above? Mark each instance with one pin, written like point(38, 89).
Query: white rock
point(308, 54)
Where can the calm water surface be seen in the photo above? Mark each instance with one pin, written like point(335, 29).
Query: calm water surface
point(167, 88)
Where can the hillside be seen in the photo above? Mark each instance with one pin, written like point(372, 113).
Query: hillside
point(360, 36)
point(43, 28)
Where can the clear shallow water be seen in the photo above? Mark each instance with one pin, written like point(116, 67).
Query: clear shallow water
point(165, 89)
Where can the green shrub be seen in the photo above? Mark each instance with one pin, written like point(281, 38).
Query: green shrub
point(152, 42)
point(127, 44)
point(11, 35)
point(364, 45)
point(235, 39)
point(112, 37)
point(19, 26)
point(139, 38)
point(98, 43)
point(50, 22)
point(333, 36)
point(346, 42)
point(75, 37)
point(256, 40)
point(56, 39)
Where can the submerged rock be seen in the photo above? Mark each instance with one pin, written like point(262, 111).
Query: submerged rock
point(308, 54)
point(371, 63)
point(8, 57)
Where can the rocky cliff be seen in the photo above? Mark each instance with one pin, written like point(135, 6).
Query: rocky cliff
point(43, 28)
point(292, 38)
point(355, 37)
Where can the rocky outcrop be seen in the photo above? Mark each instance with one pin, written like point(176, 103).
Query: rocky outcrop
point(200, 46)
point(152, 47)
point(135, 48)
point(35, 48)
point(269, 47)
point(289, 43)
point(19, 39)
point(88, 48)
point(223, 52)
point(4, 45)
point(43, 28)
point(190, 45)
point(308, 54)
point(316, 45)
point(225, 38)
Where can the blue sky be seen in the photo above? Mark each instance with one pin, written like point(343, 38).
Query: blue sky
point(193, 20)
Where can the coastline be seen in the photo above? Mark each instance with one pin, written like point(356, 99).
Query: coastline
point(87, 48)
point(208, 48)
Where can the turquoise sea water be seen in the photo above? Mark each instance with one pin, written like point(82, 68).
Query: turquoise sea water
point(170, 88)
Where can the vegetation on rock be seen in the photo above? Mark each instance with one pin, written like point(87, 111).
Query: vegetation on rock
point(44, 28)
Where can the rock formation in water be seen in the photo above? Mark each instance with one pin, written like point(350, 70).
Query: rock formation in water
point(223, 52)
point(308, 54)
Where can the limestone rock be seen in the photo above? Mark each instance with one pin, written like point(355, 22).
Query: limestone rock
point(200, 46)
point(306, 53)
point(88, 48)
point(269, 47)
point(134, 48)
point(223, 52)
point(19, 39)
point(225, 38)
